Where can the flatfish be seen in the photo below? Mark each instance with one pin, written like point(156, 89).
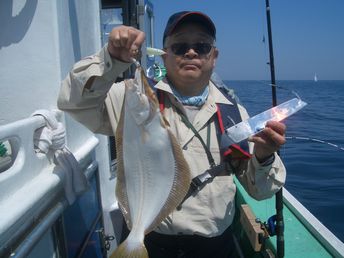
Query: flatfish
point(152, 176)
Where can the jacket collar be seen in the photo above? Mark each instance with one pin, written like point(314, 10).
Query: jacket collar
point(206, 112)
point(214, 92)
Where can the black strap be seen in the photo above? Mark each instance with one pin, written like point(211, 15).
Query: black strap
point(186, 121)
point(198, 182)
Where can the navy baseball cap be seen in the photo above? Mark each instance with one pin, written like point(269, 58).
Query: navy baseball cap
point(188, 16)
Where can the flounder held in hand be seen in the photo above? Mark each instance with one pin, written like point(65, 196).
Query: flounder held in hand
point(152, 177)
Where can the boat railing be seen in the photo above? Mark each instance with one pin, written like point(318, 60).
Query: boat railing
point(31, 185)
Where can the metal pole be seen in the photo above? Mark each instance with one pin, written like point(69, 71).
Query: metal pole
point(279, 194)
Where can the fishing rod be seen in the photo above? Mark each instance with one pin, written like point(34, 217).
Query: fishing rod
point(279, 194)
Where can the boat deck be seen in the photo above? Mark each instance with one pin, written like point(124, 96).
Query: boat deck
point(304, 235)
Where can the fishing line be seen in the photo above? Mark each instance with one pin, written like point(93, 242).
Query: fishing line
point(315, 140)
point(311, 139)
point(281, 88)
point(284, 88)
point(156, 71)
point(301, 137)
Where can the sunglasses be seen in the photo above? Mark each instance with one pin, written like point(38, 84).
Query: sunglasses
point(181, 49)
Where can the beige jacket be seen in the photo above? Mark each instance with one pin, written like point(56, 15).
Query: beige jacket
point(211, 211)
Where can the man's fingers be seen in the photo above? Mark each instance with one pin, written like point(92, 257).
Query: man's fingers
point(269, 139)
point(115, 38)
point(276, 126)
point(257, 139)
point(125, 42)
point(124, 37)
point(276, 132)
point(269, 136)
point(127, 37)
point(139, 39)
point(277, 138)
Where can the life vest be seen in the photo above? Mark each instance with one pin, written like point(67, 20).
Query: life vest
point(226, 116)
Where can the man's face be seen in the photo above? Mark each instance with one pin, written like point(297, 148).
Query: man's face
point(189, 69)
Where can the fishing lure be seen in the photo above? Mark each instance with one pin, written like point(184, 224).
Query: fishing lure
point(150, 52)
point(155, 51)
point(156, 71)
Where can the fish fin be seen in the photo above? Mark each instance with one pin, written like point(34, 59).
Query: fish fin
point(149, 92)
point(166, 122)
point(180, 186)
point(121, 190)
point(127, 250)
point(163, 121)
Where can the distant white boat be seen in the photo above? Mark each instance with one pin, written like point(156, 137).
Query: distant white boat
point(315, 77)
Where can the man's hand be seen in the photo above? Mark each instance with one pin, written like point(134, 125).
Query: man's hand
point(125, 42)
point(269, 140)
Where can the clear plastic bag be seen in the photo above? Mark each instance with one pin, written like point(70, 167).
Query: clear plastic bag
point(256, 124)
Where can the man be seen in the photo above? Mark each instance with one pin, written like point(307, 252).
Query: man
point(200, 227)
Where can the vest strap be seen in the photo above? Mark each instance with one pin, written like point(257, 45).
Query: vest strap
point(198, 182)
point(234, 151)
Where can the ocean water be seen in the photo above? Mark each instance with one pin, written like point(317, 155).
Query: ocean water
point(315, 171)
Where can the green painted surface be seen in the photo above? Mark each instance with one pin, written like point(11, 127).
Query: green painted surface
point(299, 242)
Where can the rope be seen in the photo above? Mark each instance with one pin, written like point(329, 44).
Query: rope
point(52, 138)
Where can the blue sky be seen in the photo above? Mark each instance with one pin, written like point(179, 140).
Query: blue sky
point(308, 36)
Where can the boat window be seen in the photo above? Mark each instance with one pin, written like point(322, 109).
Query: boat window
point(149, 23)
point(110, 18)
point(106, 4)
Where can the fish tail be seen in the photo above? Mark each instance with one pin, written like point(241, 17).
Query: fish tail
point(130, 250)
